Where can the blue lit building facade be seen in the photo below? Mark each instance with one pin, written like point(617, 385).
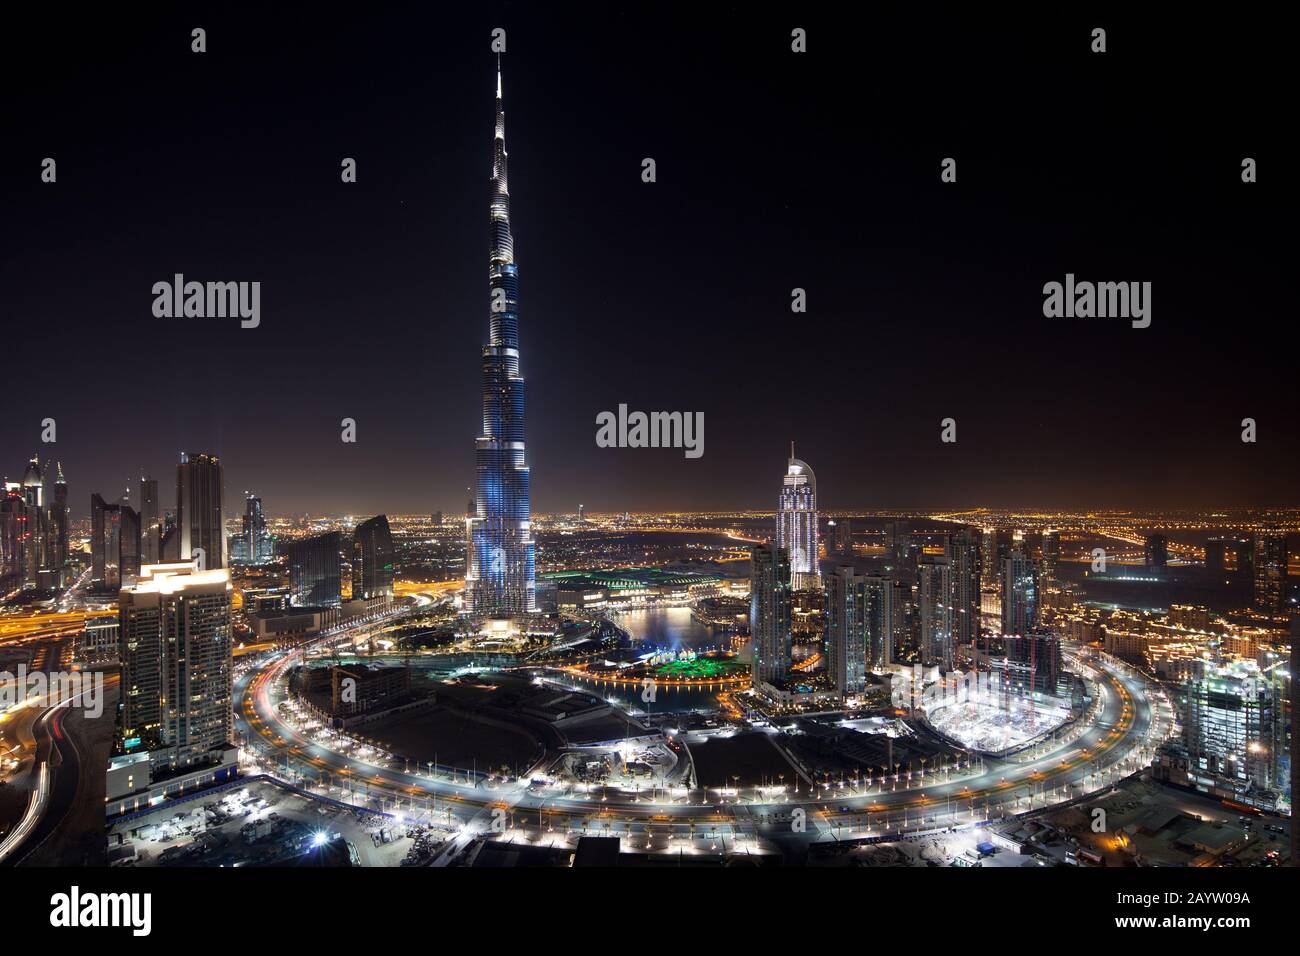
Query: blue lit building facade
point(500, 579)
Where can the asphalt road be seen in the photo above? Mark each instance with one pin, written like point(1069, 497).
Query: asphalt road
point(1116, 743)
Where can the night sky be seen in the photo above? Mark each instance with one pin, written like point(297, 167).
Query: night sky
point(775, 171)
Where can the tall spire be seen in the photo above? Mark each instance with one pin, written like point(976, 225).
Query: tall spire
point(501, 577)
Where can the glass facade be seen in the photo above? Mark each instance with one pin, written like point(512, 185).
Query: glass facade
point(500, 577)
point(769, 613)
point(849, 606)
point(372, 559)
point(315, 575)
point(796, 523)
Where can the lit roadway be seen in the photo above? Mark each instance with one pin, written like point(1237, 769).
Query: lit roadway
point(1119, 740)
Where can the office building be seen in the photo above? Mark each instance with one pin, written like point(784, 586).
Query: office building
point(199, 514)
point(769, 614)
point(315, 576)
point(847, 622)
point(372, 559)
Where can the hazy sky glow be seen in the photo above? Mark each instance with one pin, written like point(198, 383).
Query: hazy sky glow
point(775, 171)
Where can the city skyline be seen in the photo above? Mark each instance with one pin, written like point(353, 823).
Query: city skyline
point(1025, 596)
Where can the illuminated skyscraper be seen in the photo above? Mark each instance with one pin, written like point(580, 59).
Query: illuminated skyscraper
point(796, 523)
point(769, 613)
point(1270, 572)
point(59, 523)
point(1019, 594)
point(1051, 553)
point(963, 551)
point(105, 544)
point(500, 577)
point(1230, 726)
point(35, 537)
point(175, 650)
point(934, 578)
point(257, 546)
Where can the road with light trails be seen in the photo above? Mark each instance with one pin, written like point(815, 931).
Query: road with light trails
point(1119, 741)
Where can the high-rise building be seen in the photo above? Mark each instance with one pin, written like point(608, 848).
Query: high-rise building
point(769, 613)
point(150, 521)
point(372, 559)
point(59, 522)
point(315, 575)
point(128, 540)
point(1230, 725)
point(844, 538)
point(175, 651)
point(901, 553)
point(963, 551)
point(880, 621)
point(13, 524)
point(1051, 553)
point(1214, 555)
point(1157, 551)
point(105, 544)
point(199, 516)
point(256, 545)
point(169, 539)
point(934, 588)
point(1270, 572)
point(1019, 594)
point(36, 532)
point(903, 619)
point(1245, 551)
point(796, 523)
point(848, 610)
point(500, 574)
point(1034, 660)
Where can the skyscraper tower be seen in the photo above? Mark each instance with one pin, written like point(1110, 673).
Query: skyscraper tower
point(315, 575)
point(796, 523)
point(198, 509)
point(962, 550)
point(175, 649)
point(34, 542)
point(1270, 572)
point(372, 559)
point(150, 521)
point(257, 546)
point(935, 587)
point(500, 579)
point(848, 612)
point(59, 520)
point(769, 613)
point(1051, 553)
point(1019, 594)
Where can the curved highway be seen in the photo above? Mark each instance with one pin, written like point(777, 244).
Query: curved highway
point(1120, 739)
